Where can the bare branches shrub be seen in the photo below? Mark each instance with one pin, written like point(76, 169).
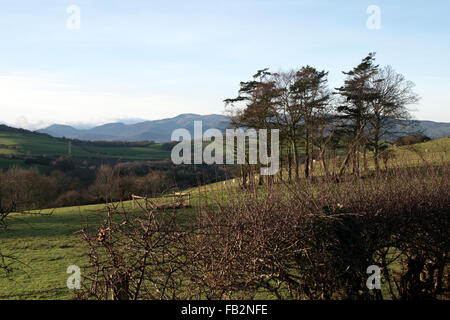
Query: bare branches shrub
point(315, 241)
point(308, 240)
point(135, 255)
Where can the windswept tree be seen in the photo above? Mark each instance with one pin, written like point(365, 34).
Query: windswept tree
point(372, 107)
point(296, 102)
point(358, 96)
point(255, 105)
point(288, 119)
point(311, 98)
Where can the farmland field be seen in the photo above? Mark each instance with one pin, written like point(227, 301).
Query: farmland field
point(19, 143)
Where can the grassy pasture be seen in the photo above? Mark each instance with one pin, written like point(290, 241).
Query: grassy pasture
point(45, 243)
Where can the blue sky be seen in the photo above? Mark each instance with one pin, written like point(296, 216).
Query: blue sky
point(155, 59)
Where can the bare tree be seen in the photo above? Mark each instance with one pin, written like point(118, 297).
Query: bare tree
point(389, 109)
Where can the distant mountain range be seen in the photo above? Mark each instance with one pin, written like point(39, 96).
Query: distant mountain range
point(154, 130)
point(161, 130)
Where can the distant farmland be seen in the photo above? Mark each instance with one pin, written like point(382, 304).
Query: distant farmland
point(16, 145)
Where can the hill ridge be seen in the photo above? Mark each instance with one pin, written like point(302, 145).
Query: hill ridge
point(154, 130)
point(160, 130)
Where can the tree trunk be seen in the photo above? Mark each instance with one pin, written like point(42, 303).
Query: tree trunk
point(289, 155)
point(345, 162)
point(376, 151)
point(324, 163)
point(243, 175)
point(366, 166)
point(296, 164)
point(308, 154)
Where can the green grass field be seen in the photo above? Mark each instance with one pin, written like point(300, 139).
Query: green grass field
point(45, 244)
point(18, 143)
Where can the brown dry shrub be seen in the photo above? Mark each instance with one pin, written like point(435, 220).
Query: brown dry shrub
point(308, 240)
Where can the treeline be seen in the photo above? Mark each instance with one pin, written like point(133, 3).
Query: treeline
point(70, 184)
point(112, 144)
point(317, 123)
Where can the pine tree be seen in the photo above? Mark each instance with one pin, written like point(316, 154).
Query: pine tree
point(358, 94)
point(311, 96)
